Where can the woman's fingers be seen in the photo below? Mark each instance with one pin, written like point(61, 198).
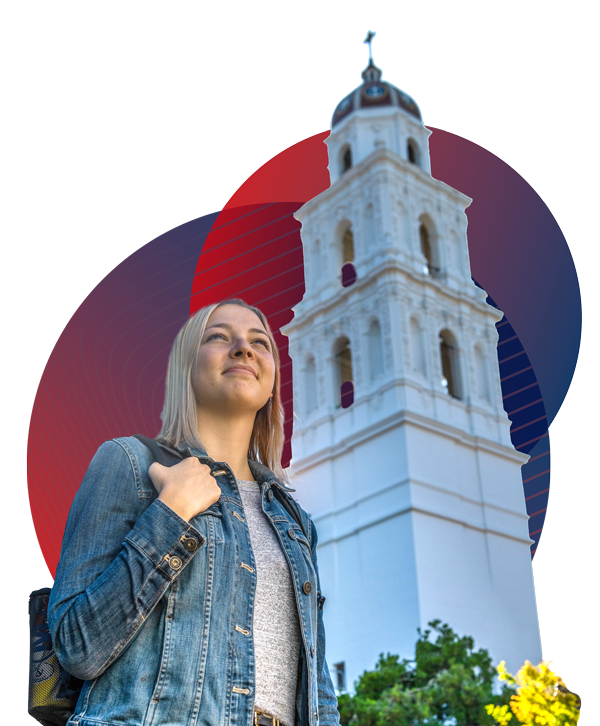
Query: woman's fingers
point(188, 488)
point(155, 474)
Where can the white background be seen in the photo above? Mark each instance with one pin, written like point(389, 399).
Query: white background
point(124, 119)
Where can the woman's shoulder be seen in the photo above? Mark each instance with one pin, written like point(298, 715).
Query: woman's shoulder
point(116, 480)
point(124, 458)
point(133, 448)
point(126, 448)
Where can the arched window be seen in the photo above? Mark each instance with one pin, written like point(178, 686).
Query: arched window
point(345, 158)
point(481, 371)
point(416, 346)
point(429, 252)
point(310, 385)
point(412, 151)
point(375, 350)
point(425, 245)
point(450, 364)
point(348, 246)
point(344, 375)
point(348, 269)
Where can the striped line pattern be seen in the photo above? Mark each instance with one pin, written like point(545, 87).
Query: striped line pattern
point(105, 376)
point(255, 252)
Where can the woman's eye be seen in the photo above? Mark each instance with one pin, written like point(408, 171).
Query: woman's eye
point(215, 335)
point(262, 342)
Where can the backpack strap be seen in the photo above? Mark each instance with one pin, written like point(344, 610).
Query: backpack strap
point(290, 505)
point(163, 454)
point(169, 457)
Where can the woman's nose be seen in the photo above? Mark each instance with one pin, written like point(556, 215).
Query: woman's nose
point(242, 348)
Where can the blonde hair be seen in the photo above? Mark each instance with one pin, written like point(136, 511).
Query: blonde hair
point(179, 423)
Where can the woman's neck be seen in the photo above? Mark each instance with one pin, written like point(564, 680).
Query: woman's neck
point(227, 440)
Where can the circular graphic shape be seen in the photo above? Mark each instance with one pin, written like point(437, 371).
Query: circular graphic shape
point(520, 257)
point(517, 254)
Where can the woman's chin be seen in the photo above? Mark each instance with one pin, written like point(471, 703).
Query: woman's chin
point(235, 405)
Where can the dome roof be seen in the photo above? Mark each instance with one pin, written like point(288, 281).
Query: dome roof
point(374, 93)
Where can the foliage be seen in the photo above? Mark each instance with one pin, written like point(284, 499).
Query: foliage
point(500, 714)
point(541, 698)
point(447, 682)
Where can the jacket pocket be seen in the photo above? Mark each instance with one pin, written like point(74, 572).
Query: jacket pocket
point(304, 546)
point(299, 537)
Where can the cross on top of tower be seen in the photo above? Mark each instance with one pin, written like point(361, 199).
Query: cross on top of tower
point(373, 93)
point(369, 40)
point(371, 72)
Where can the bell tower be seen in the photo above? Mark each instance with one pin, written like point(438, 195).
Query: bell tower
point(401, 445)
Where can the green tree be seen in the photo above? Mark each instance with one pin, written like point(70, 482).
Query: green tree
point(447, 682)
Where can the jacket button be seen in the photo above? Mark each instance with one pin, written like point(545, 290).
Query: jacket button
point(175, 563)
point(312, 651)
point(270, 495)
point(307, 587)
point(190, 544)
point(291, 534)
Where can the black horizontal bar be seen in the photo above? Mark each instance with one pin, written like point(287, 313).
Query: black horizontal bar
point(444, 125)
point(295, 125)
point(476, 125)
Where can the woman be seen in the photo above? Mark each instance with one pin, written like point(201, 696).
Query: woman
point(189, 595)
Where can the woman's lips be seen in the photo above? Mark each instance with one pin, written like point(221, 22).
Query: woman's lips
point(241, 369)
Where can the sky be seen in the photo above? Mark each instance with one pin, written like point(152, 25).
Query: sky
point(124, 120)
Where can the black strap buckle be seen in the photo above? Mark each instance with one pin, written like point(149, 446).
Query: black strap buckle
point(261, 719)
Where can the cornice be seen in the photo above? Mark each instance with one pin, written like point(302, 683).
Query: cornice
point(390, 266)
point(399, 418)
point(381, 155)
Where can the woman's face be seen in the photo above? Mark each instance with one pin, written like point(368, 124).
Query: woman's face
point(236, 369)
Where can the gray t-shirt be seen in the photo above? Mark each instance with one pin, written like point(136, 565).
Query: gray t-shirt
point(276, 628)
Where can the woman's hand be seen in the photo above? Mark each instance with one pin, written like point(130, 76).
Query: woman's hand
point(187, 488)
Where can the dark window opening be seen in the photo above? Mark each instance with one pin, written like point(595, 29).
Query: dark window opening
point(340, 676)
point(347, 160)
point(412, 153)
point(344, 362)
point(426, 250)
point(348, 246)
point(348, 269)
point(449, 364)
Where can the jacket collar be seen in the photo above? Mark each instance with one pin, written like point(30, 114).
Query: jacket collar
point(261, 473)
point(198, 451)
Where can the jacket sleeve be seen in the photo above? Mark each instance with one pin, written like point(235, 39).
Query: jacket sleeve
point(328, 711)
point(117, 561)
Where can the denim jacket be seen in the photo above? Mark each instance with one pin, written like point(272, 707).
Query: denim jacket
point(145, 605)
